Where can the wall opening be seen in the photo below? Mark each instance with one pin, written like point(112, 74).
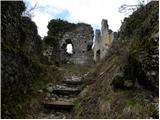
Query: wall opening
point(69, 48)
point(98, 55)
point(89, 47)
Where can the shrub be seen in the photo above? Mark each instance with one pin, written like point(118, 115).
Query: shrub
point(131, 103)
point(118, 82)
point(59, 26)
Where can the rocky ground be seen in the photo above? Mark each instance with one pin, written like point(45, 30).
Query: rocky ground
point(59, 99)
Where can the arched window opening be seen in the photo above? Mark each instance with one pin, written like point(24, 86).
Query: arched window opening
point(69, 48)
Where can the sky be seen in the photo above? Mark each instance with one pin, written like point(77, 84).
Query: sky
point(69, 49)
point(86, 11)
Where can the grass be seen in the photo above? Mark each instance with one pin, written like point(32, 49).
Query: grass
point(131, 103)
point(76, 69)
point(78, 108)
point(118, 82)
point(105, 98)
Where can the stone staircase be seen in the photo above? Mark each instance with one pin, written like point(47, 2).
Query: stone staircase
point(62, 97)
point(65, 90)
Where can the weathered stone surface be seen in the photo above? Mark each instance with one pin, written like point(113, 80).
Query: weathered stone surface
point(71, 82)
point(74, 80)
point(66, 91)
point(103, 41)
point(56, 115)
point(81, 40)
point(128, 83)
point(60, 105)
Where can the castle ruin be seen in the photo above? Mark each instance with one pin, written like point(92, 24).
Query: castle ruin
point(103, 41)
point(81, 40)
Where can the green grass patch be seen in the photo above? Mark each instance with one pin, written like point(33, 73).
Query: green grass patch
point(131, 103)
point(105, 98)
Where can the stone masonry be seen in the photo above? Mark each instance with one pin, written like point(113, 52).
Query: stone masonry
point(81, 39)
point(103, 41)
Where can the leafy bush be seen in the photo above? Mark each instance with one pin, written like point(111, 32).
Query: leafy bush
point(59, 26)
point(50, 40)
point(118, 82)
point(141, 23)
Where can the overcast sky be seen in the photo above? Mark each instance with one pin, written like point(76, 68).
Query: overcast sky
point(87, 11)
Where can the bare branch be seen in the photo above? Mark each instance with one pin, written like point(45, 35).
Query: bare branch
point(29, 11)
point(130, 8)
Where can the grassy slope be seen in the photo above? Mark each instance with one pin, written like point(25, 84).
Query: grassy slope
point(101, 101)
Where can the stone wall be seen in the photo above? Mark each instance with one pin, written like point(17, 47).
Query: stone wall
point(103, 41)
point(80, 36)
point(81, 40)
point(18, 67)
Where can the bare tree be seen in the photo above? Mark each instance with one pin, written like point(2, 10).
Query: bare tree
point(29, 11)
point(130, 8)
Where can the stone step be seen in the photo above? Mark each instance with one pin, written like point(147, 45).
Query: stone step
point(73, 82)
point(59, 105)
point(66, 91)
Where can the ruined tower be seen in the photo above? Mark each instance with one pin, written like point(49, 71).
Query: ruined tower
point(81, 39)
point(103, 40)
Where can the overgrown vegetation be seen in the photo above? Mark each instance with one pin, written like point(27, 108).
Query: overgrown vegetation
point(23, 73)
point(134, 55)
point(118, 82)
point(57, 28)
point(131, 103)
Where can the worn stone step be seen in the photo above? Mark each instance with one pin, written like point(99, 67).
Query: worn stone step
point(59, 105)
point(73, 82)
point(66, 91)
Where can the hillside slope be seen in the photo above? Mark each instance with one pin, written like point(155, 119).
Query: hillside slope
point(126, 82)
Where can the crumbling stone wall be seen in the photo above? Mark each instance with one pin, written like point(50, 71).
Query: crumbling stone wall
point(103, 41)
point(19, 44)
point(81, 40)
